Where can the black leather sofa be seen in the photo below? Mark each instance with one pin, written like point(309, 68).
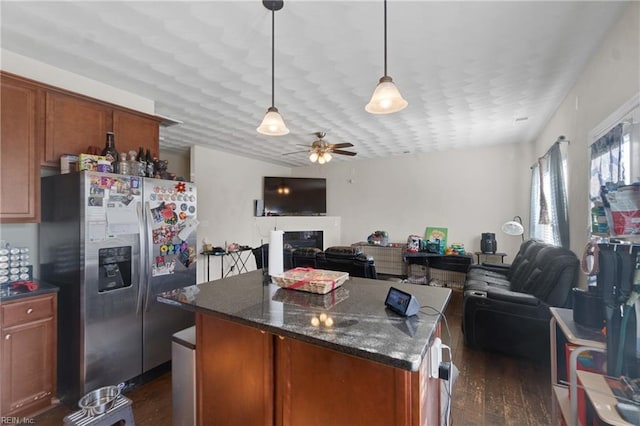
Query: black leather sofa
point(305, 257)
point(347, 259)
point(506, 307)
point(338, 258)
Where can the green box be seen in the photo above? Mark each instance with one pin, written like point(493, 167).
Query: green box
point(432, 234)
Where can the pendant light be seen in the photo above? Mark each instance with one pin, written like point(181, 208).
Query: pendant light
point(272, 123)
point(386, 98)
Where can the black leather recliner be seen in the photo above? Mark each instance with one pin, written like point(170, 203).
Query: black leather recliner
point(261, 255)
point(347, 259)
point(506, 307)
point(305, 257)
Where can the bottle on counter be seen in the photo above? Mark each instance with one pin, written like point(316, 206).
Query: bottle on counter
point(134, 165)
point(149, 163)
point(110, 153)
point(142, 160)
point(123, 164)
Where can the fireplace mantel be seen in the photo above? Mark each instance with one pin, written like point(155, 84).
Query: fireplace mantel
point(329, 225)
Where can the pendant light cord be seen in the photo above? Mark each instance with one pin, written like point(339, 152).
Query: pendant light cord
point(385, 38)
point(273, 55)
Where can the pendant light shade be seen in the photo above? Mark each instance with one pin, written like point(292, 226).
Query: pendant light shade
point(386, 98)
point(272, 123)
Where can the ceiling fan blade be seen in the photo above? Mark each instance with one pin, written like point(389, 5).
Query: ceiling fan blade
point(302, 144)
point(342, 152)
point(295, 152)
point(342, 145)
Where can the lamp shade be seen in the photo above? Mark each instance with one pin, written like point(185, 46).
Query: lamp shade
point(512, 228)
point(386, 98)
point(273, 124)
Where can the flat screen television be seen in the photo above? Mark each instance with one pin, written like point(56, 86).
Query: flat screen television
point(287, 196)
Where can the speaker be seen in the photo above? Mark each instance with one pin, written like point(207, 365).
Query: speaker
point(488, 244)
point(258, 207)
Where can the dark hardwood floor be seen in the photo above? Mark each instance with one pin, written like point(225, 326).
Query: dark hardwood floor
point(491, 389)
point(494, 389)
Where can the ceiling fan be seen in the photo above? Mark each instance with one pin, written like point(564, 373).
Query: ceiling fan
point(320, 150)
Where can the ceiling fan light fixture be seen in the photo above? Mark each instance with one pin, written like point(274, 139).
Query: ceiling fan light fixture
point(386, 98)
point(272, 123)
point(321, 159)
point(327, 157)
point(313, 157)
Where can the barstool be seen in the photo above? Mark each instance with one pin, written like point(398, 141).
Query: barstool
point(121, 411)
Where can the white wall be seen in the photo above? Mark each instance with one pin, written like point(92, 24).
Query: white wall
point(467, 191)
point(610, 79)
point(45, 73)
point(227, 186)
point(179, 162)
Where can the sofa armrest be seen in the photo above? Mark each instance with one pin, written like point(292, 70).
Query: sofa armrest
point(505, 295)
point(496, 266)
point(501, 268)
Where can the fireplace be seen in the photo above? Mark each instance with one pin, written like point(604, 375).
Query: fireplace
point(297, 239)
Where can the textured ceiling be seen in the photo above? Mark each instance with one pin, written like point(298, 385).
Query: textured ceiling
point(467, 69)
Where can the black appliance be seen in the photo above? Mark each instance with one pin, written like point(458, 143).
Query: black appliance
point(287, 196)
point(488, 244)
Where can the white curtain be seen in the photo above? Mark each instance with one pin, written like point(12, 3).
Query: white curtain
point(549, 219)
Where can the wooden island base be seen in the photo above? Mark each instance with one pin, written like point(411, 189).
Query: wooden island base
point(246, 376)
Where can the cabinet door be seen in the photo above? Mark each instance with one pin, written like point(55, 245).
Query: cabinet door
point(133, 131)
point(72, 125)
point(28, 367)
point(318, 386)
point(234, 377)
point(19, 155)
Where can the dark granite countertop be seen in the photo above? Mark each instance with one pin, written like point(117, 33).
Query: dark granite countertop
point(362, 326)
point(10, 292)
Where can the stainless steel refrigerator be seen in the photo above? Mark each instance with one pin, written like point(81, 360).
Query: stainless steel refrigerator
point(111, 243)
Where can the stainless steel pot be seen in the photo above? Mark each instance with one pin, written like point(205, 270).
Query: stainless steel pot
point(99, 401)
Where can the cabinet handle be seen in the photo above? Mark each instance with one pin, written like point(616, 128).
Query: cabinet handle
point(7, 337)
point(281, 337)
point(29, 311)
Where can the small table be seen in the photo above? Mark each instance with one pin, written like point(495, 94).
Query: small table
point(479, 253)
point(219, 254)
point(238, 260)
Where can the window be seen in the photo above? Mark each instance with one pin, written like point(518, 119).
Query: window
point(615, 159)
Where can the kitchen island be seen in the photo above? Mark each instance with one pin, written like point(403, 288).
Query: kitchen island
point(267, 355)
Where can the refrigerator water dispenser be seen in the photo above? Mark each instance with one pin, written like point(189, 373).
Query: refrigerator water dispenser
point(114, 268)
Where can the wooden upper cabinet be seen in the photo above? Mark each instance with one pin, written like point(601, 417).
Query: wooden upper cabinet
point(72, 125)
point(20, 136)
point(132, 131)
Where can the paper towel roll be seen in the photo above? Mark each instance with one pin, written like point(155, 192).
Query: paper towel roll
point(276, 257)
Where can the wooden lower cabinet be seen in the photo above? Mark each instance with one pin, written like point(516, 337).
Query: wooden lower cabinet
point(28, 355)
point(249, 377)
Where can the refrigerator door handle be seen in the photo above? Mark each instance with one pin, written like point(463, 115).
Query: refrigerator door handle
point(149, 257)
point(142, 276)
